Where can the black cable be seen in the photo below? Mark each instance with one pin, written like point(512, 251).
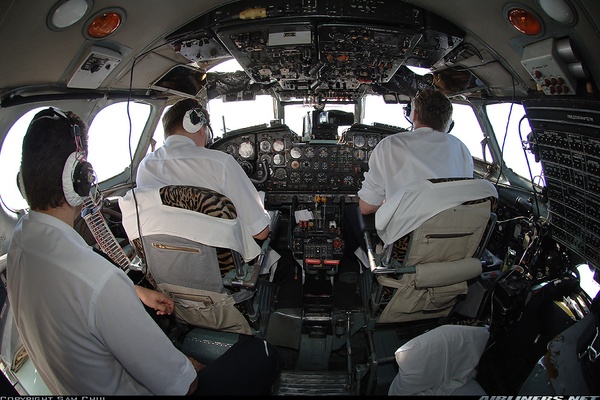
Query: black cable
point(535, 197)
point(512, 103)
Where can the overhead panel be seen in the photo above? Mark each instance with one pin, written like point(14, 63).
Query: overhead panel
point(326, 49)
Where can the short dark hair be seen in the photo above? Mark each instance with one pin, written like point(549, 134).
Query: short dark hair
point(434, 109)
point(173, 118)
point(47, 144)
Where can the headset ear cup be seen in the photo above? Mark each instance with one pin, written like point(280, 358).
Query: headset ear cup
point(83, 178)
point(193, 120)
point(77, 179)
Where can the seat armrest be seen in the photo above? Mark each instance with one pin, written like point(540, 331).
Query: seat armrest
point(366, 222)
point(246, 274)
point(275, 216)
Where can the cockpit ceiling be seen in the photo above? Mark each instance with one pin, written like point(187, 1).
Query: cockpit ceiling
point(335, 51)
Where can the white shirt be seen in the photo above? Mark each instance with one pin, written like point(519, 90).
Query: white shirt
point(180, 162)
point(414, 204)
point(407, 157)
point(81, 321)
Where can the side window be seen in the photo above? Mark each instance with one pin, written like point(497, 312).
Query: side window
point(510, 135)
point(467, 129)
point(10, 162)
point(109, 137)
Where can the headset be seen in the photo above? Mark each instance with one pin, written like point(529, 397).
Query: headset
point(194, 120)
point(78, 175)
point(409, 114)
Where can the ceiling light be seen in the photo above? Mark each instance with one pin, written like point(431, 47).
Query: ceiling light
point(104, 23)
point(558, 10)
point(67, 12)
point(524, 21)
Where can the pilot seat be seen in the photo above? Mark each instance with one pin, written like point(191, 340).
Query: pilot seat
point(423, 245)
point(193, 246)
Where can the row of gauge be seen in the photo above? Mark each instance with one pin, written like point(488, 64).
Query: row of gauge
point(294, 165)
point(274, 150)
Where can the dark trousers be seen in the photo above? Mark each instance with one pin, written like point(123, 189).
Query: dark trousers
point(249, 367)
point(352, 230)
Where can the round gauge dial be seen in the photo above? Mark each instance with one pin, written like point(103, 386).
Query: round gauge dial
point(309, 152)
point(278, 145)
point(321, 177)
point(308, 176)
point(278, 159)
point(279, 173)
point(267, 158)
point(359, 141)
point(295, 164)
point(316, 165)
point(360, 155)
point(247, 167)
point(335, 181)
point(246, 150)
point(324, 165)
point(265, 146)
point(348, 180)
point(372, 141)
point(295, 177)
point(295, 152)
point(231, 149)
point(323, 152)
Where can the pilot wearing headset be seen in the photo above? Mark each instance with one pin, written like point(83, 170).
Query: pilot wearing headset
point(184, 159)
point(427, 151)
point(79, 316)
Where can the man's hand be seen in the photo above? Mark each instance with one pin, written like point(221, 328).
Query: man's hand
point(198, 366)
point(155, 300)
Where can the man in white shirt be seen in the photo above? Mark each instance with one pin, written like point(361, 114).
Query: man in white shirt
point(79, 316)
point(185, 160)
point(426, 152)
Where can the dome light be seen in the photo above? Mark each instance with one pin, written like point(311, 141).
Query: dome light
point(66, 13)
point(558, 10)
point(524, 21)
point(104, 24)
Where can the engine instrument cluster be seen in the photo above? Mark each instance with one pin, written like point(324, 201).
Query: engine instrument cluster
point(281, 164)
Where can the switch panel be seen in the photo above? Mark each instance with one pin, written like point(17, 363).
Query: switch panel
point(546, 67)
point(96, 65)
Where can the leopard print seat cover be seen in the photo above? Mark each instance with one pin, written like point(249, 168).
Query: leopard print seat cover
point(205, 201)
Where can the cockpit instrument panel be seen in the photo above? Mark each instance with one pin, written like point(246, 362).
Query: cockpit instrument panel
point(293, 166)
